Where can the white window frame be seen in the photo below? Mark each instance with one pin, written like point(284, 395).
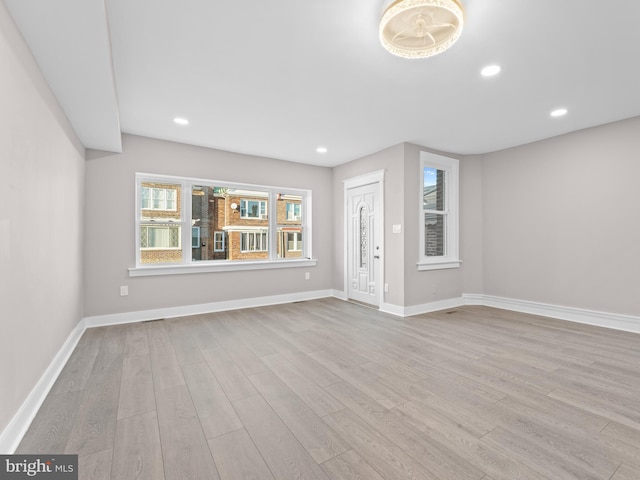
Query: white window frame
point(187, 265)
point(218, 237)
point(451, 167)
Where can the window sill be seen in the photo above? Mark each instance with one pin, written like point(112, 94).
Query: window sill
point(440, 265)
point(222, 266)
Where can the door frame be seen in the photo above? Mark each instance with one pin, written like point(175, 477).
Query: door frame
point(375, 177)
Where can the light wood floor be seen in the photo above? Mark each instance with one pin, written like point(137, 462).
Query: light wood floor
point(331, 390)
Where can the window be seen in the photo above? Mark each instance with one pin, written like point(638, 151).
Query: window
point(254, 241)
point(438, 212)
point(253, 209)
point(293, 212)
point(155, 198)
point(294, 241)
point(195, 237)
point(188, 225)
point(159, 237)
point(218, 241)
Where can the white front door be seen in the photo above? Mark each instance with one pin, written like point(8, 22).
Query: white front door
point(364, 231)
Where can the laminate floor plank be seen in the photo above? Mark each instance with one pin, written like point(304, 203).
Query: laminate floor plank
point(95, 421)
point(383, 455)
point(214, 409)
point(137, 453)
point(182, 342)
point(50, 430)
point(626, 472)
point(185, 451)
point(237, 457)
point(136, 389)
point(285, 456)
point(442, 462)
point(316, 437)
point(315, 397)
point(76, 372)
point(350, 466)
point(327, 389)
point(234, 383)
point(96, 466)
point(165, 366)
point(544, 460)
point(136, 342)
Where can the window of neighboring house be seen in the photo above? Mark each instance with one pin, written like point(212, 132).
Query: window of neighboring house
point(156, 198)
point(253, 209)
point(195, 237)
point(218, 241)
point(293, 212)
point(254, 241)
point(159, 237)
point(439, 212)
point(294, 241)
point(215, 217)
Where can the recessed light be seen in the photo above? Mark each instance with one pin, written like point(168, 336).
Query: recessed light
point(490, 70)
point(181, 121)
point(559, 112)
point(321, 149)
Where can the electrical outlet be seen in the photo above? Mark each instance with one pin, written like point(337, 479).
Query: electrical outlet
point(124, 291)
point(386, 288)
point(307, 275)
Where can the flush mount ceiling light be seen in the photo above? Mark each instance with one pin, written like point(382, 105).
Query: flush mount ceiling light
point(181, 121)
point(421, 28)
point(559, 112)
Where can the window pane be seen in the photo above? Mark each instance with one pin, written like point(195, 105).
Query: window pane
point(160, 244)
point(253, 204)
point(207, 210)
point(434, 192)
point(434, 235)
point(160, 201)
point(289, 225)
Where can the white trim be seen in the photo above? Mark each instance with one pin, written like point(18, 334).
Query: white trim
point(376, 177)
point(451, 167)
point(172, 312)
point(366, 179)
point(627, 323)
point(219, 266)
point(439, 265)
point(12, 435)
point(423, 308)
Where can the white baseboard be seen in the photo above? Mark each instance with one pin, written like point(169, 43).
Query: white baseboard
point(627, 323)
point(423, 308)
point(12, 435)
point(200, 309)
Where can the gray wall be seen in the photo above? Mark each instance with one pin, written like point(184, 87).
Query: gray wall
point(561, 220)
point(407, 285)
point(41, 198)
point(110, 235)
point(391, 160)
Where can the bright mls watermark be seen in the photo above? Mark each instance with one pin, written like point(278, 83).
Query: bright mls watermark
point(49, 467)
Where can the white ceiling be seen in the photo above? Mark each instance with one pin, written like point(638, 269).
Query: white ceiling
point(278, 78)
